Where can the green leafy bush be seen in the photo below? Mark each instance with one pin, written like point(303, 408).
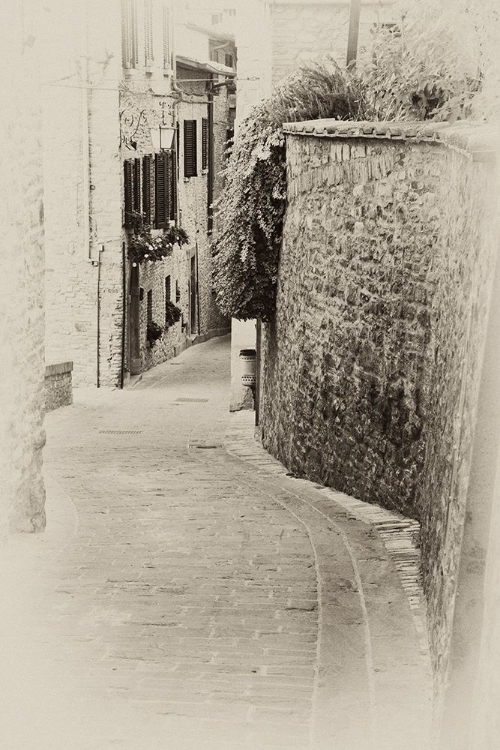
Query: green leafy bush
point(440, 62)
point(251, 210)
point(154, 332)
point(172, 314)
point(143, 245)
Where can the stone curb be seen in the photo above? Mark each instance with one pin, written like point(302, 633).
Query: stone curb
point(398, 533)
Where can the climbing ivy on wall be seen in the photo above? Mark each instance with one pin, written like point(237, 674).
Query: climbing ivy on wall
point(251, 210)
point(438, 62)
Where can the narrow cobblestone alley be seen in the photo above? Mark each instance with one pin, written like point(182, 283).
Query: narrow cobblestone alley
point(188, 594)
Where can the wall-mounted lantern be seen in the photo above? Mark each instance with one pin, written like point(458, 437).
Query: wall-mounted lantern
point(162, 137)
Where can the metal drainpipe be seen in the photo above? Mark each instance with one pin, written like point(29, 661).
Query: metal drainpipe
point(197, 291)
point(98, 368)
point(124, 316)
point(85, 100)
point(210, 181)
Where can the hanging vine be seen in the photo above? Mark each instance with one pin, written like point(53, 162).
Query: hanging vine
point(251, 210)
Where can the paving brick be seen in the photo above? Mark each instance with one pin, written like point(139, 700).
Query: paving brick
point(190, 615)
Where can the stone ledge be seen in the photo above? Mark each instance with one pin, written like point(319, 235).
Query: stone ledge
point(477, 141)
point(59, 369)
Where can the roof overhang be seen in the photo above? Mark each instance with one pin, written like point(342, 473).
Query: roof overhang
point(208, 67)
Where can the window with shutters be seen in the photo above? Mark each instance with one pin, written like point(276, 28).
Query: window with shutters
point(150, 307)
point(229, 60)
point(128, 182)
point(167, 46)
point(204, 143)
point(165, 189)
point(146, 189)
point(177, 291)
point(148, 32)
point(130, 56)
point(190, 148)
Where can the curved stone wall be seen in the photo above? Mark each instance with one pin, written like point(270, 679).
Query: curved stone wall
point(371, 367)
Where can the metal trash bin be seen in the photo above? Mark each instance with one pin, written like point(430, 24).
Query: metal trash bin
point(248, 368)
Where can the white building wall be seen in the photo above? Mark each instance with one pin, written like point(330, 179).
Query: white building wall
point(81, 69)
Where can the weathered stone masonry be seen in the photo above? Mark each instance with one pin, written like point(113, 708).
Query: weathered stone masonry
point(58, 385)
point(371, 366)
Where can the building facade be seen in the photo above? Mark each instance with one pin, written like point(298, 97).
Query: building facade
point(113, 133)
point(205, 69)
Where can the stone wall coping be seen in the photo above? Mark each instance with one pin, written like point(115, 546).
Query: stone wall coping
point(476, 140)
point(58, 369)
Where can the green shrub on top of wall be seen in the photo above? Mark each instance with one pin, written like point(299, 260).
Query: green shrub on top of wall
point(250, 212)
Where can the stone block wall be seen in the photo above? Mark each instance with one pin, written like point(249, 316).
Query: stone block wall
point(153, 279)
point(58, 385)
point(22, 494)
point(371, 366)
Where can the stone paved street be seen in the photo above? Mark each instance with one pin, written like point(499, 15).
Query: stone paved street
point(188, 594)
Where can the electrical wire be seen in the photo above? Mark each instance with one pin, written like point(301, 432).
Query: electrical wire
point(97, 87)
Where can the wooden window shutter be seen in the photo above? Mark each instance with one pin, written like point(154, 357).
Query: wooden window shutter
point(148, 31)
point(161, 191)
point(137, 186)
point(128, 193)
point(167, 46)
point(149, 307)
point(190, 148)
point(204, 143)
point(168, 297)
point(130, 56)
point(146, 188)
point(173, 185)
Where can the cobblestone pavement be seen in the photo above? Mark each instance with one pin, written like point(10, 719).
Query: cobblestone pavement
point(188, 595)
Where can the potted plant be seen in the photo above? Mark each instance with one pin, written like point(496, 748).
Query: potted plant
point(143, 245)
point(154, 332)
point(172, 314)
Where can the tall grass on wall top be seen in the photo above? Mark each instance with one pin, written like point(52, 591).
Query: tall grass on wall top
point(439, 61)
point(251, 210)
